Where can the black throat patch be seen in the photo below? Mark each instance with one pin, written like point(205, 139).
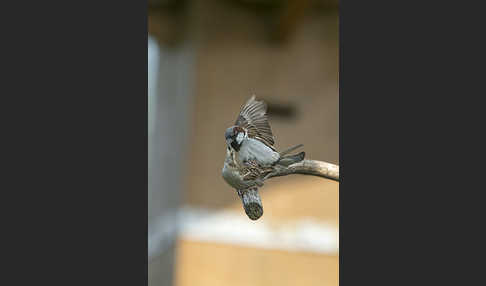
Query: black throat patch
point(235, 145)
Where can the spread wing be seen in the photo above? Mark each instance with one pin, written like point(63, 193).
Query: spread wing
point(253, 118)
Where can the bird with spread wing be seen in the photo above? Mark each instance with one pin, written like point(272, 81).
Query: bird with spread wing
point(251, 154)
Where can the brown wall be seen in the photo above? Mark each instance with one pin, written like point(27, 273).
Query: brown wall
point(208, 264)
point(234, 61)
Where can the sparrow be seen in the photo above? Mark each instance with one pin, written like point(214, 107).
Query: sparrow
point(250, 154)
point(243, 177)
point(251, 138)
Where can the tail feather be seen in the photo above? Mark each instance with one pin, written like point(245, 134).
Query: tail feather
point(291, 159)
point(285, 152)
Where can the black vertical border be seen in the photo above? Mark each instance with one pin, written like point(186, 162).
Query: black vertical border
point(75, 185)
point(411, 156)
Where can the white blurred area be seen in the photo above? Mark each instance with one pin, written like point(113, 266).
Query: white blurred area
point(233, 227)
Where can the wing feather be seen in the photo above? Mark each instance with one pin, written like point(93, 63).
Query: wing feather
point(253, 118)
point(253, 171)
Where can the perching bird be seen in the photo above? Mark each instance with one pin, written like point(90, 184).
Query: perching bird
point(250, 153)
point(242, 177)
point(251, 137)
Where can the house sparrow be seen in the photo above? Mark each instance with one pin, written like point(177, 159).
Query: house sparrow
point(250, 154)
point(242, 177)
point(251, 138)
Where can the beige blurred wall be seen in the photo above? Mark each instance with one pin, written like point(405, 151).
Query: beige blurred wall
point(210, 264)
point(233, 60)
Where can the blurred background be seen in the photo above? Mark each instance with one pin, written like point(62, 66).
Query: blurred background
point(205, 59)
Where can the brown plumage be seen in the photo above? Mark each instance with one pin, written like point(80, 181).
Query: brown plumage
point(253, 119)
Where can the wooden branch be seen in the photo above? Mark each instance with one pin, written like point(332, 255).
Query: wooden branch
point(308, 167)
point(252, 203)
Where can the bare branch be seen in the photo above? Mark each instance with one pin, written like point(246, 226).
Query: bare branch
point(308, 167)
point(252, 203)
